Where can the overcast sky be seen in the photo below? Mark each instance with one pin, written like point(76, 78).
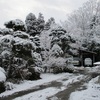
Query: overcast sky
point(19, 9)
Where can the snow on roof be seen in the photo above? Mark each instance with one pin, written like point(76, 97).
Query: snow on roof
point(97, 63)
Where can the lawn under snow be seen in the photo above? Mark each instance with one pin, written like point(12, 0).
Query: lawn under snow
point(91, 93)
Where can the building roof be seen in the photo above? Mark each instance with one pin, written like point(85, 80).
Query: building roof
point(87, 51)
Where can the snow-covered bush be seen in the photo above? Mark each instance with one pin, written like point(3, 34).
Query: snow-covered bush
point(23, 46)
point(37, 59)
point(56, 63)
point(9, 86)
point(36, 40)
point(56, 51)
point(2, 79)
point(38, 69)
point(6, 42)
point(2, 75)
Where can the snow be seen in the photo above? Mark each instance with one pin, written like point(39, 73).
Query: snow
point(39, 95)
point(2, 75)
point(46, 78)
point(51, 91)
point(6, 39)
point(36, 56)
point(20, 34)
point(59, 62)
point(56, 50)
point(5, 52)
point(91, 93)
point(96, 63)
point(74, 79)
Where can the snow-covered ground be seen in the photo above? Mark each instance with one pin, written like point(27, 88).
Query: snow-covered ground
point(40, 95)
point(91, 93)
point(51, 91)
point(66, 79)
point(46, 78)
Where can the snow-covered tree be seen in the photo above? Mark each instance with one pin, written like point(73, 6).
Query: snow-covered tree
point(34, 25)
point(56, 51)
point(82, 24)
point(49, 23)
point(40, 23)
point(31, 24)
point(16, 25)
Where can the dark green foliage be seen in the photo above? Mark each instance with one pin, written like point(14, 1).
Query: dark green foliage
point(57, 70)
point(31, 62)
point(2, 87)
point(35, 75)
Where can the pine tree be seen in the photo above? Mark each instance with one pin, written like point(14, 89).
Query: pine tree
point(31, 24)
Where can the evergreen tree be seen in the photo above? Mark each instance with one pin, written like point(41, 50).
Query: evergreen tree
point(34, 25)
point(40, 23)
point(49, 23)
point(31, 24)
point(15, 25)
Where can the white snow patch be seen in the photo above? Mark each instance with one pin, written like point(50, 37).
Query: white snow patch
point(97, 63)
